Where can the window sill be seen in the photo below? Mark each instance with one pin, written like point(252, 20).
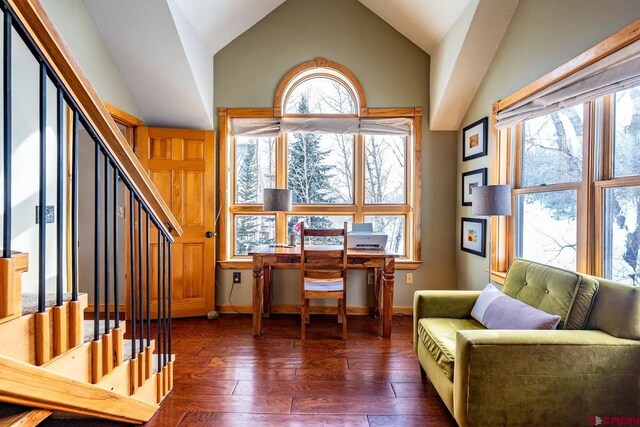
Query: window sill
point(246, 264)
point(499, 277)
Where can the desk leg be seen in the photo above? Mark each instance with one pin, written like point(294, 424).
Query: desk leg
point(377, 287)
point(258, 284)
point(388, 282)
point(266, 298)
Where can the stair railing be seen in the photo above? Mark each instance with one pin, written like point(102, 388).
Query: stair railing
point(114, 162)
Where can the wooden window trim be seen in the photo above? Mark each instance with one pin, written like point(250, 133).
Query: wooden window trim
point(358, 210)
point(317, 63)
point(597, 172)
point(129, 121)
point(226, 194)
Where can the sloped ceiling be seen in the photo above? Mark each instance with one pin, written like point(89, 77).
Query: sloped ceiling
point(424, 22)
point(165, 48)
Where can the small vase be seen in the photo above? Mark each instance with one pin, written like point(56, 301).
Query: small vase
point(292, 239)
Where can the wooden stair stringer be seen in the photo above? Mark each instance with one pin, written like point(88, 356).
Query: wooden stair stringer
point(28, 385)
point(18, 336)
point(75, 363)
point(29, 418)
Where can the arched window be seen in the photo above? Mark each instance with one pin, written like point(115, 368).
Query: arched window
point(342, 161)
point(320, 94)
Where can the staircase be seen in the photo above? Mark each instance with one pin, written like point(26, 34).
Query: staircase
point(74, 349)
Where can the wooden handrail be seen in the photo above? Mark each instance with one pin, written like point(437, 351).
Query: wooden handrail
point(44, 33)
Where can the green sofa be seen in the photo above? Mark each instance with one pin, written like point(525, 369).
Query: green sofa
point(588, 367)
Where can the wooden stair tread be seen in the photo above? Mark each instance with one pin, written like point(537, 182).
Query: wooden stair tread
point(87, 328)
point(30, 301)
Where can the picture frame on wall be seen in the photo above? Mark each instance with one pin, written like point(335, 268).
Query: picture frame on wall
point(474, 140)
point(471, 180)
point(473, 236)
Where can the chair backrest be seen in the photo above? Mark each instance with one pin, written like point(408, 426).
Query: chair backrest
point(323, 261)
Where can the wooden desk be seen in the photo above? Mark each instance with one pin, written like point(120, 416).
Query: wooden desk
point(265, 258)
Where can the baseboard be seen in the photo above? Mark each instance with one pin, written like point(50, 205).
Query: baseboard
point(317, 309)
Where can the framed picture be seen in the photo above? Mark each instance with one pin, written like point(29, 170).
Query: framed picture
point(471, 180)
point(473, 234)
point(474, 140)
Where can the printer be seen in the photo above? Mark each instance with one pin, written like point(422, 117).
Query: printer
point(363, 237)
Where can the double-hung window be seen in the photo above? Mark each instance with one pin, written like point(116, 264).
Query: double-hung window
point(342, 161)
point(549, 182)
point(574, 168)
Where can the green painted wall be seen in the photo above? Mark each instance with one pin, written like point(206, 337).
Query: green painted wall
point(542, 35)
point(394, 73)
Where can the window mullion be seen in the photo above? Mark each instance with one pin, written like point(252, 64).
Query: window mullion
point(281, 182)
point(358, 181)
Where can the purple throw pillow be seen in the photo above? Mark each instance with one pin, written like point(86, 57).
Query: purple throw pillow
point(496, 310)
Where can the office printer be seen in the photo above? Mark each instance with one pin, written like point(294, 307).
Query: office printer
point(363, 237)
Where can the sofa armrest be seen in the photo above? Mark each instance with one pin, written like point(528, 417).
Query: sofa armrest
point(448, 304)
point(544, 377)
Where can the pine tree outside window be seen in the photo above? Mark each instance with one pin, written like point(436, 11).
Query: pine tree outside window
point(334, 177)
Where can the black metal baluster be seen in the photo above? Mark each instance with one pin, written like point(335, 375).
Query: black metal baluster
point(107, 326)
point(132, 278)
point(74, 208)
point(140, 277)
point(159, 308)
point(6, 225)
point(169, 260)
point(148, 271)
point(60, 199)
point(116, 281)
point(96, 245)
point(164, 301)
point(42, 203)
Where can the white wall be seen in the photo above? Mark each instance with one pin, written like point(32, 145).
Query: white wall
point(78, 32)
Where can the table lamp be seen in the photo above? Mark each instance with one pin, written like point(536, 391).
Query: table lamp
point(276, 200)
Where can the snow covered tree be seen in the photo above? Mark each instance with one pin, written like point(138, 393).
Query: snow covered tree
point(246, 192)
point(309, 175)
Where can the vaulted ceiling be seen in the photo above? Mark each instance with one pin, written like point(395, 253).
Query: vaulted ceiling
point(165, 48)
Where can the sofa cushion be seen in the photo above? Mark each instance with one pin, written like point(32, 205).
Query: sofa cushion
point(495, 310)
point(616, 310)
point(439, 338)
point(556, 291)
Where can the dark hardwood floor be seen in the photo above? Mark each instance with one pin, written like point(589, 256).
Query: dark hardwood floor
point(225, 377)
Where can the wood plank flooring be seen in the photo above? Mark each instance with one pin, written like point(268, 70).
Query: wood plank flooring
point(225, 377)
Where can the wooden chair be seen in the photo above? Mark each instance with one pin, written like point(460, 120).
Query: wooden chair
point(323, 273)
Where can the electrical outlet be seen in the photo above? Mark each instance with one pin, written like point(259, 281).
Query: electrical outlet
point(120, 211)
point(409, 279)
point(237, 277)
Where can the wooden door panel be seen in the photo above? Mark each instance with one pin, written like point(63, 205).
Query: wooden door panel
point(193, 202)
point(181, 164)
point(163, 181)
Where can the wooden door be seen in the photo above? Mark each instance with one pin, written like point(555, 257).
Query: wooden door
point(181, 164)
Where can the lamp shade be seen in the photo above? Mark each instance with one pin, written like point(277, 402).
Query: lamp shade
point(276, 199)
point(491, 200)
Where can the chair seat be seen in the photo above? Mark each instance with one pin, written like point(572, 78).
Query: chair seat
point(328, 285)
point(439, 338)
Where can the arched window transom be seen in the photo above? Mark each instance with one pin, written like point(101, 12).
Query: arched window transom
point(320, 93)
